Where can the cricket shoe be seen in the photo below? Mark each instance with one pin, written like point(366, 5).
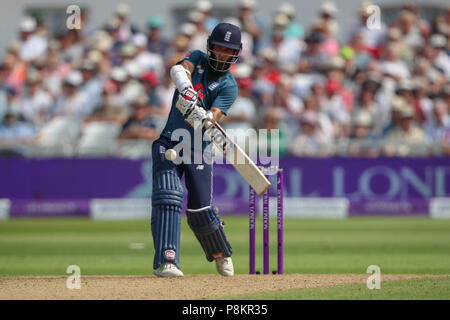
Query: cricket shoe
point(224, 266)
point(168, 270)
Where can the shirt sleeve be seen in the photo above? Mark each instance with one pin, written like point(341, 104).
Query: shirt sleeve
point(226, 98)
point(193, 56)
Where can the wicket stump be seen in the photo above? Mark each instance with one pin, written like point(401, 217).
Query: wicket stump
point(266, 220)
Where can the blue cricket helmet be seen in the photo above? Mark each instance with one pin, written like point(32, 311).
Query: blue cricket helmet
point(225, 35)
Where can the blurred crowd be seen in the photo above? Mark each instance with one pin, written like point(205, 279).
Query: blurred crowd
point(382, 91)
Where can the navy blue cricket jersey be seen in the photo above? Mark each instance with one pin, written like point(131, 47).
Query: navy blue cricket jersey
point(215, 89)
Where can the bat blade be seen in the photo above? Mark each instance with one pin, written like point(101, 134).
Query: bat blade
point(238, 158)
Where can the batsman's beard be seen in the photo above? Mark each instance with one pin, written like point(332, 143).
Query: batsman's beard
point(221, 65)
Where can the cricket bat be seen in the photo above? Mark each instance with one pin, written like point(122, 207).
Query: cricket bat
point(238, 158)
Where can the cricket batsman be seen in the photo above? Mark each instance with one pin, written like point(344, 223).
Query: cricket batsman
point(205, 90)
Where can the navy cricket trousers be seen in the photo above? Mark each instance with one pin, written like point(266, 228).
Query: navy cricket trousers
point(198, 177)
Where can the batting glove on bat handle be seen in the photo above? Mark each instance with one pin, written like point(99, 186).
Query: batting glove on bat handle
point(196, 117)
point(208, 122)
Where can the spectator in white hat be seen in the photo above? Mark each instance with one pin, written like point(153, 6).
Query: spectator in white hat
point(109, 40)
point(406, 89)
point(310, 141)
point(126, 28)
point(439, 57)
point(145, 59)
point(363, 142)
point(114, 89)
point(33, 45)
point(133, 86)
point(366, 102)
point(409, 28)
point(72, 102)
point(391, 66)
point(407, 130)
point(201, 34)
point(405, 52)
point(293, 28)
point(327, 14)
point(362, 123)
point(35, 101)
point(204, 7)
point(127, 52)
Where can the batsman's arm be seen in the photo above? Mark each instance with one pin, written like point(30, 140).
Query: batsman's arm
point(217, 113)
point(181, 76)
point(189, 67)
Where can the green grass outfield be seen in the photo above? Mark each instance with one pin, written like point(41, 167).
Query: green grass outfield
point(35, 247)
point(417, 289)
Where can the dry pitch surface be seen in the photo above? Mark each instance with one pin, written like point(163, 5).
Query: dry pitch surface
point(190, 287)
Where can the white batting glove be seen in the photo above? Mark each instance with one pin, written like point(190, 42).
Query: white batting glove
point(208, 120)
point(196, 117)
point(186, 100)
